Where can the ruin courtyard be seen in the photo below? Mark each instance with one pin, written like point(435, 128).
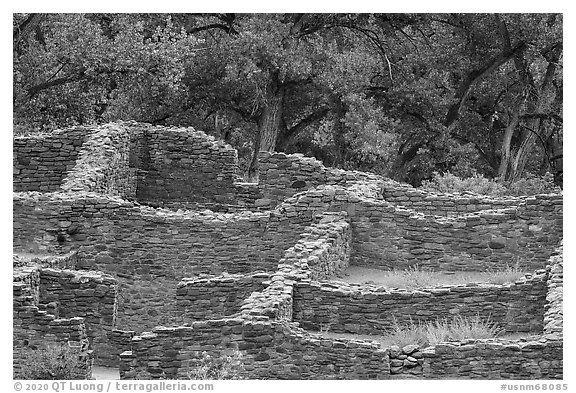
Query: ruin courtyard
point(142, 247)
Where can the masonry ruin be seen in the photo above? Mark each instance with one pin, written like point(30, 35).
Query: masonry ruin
point(143, 248)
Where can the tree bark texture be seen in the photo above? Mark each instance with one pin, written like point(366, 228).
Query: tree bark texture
point(268, 122)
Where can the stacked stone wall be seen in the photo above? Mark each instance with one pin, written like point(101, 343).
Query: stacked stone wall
point(500, 359)
point(150, 250)
point(438, 204)
point(216, 297)
point(554, 315)
point(103, 164)
point(268, 350)
point(388, 237)
point(90, 295)
point(183, 165)
point(322, 250)
point(384, 225)
point(38, 329)
point(366, 309)
point(41, 162)
point(270, 345)
point(281, 175)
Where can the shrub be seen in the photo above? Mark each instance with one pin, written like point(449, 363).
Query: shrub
point(52, 361)
point(532, 185)
point(218, 368)
point(441, 330)
point(478, 184)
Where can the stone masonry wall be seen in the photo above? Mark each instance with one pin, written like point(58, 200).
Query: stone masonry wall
point(90, 295)
point(484, 359)
point(554, 315)
point(103, 164)
point(41, 162)
point(216, 297)
point(34, 328)
point(366, 309)
point(447, 205)
point(387, 236)
point(183, 165)
point(323, 249)
point(150, 250)
point(282, 175)
point(270, 345)
point(269, 350)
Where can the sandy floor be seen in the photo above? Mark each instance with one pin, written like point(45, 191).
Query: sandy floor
point(364, 275)
point(105, 373)
point(386, 343)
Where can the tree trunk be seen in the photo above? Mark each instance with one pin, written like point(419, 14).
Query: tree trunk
point(268, 122)
point(474, 77)
point(338, 131)
point(538, 103)
point(506, 149)
point(535, 125)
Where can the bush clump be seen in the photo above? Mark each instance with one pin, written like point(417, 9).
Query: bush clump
point(478, 184)
point(218, 368)
point(441, 330)
point(51, 362)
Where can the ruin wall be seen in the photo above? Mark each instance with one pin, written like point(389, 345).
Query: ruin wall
point(41, 162)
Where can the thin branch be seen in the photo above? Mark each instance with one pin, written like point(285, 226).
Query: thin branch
point(475, 76)
point(308, 120)
point(543, 116)
point(227, 29)
point(389, 68)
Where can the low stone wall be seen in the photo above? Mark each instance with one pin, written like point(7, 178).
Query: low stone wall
point(65, 261)
point(269, 350)
point(103, 164)
point(388, 237)
point(366, 309)
point(447, 205)
point(322, 250)
point(554, 315)
point(36, 329)
point(41, 161)
point(491, 359)
point(90, 295)
point(216, 297)
point(282, 175)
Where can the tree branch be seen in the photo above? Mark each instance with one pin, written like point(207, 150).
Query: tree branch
point(34, 90)
point(475, 76)
point(543, 116)
point(228, 29)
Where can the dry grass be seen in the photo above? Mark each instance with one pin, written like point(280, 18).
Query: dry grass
point(430, 333)
point(415, 277)
point(441, 330)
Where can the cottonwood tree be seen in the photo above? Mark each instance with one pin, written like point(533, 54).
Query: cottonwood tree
point(402, 94)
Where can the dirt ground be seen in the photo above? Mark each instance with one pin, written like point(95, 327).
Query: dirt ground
point(416, 279)
point(108, 373)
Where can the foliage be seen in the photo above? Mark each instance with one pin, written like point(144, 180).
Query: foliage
point(404, 95)
point(478, 184)
point(51, 362)
point(441, 330)
point(218, 368)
